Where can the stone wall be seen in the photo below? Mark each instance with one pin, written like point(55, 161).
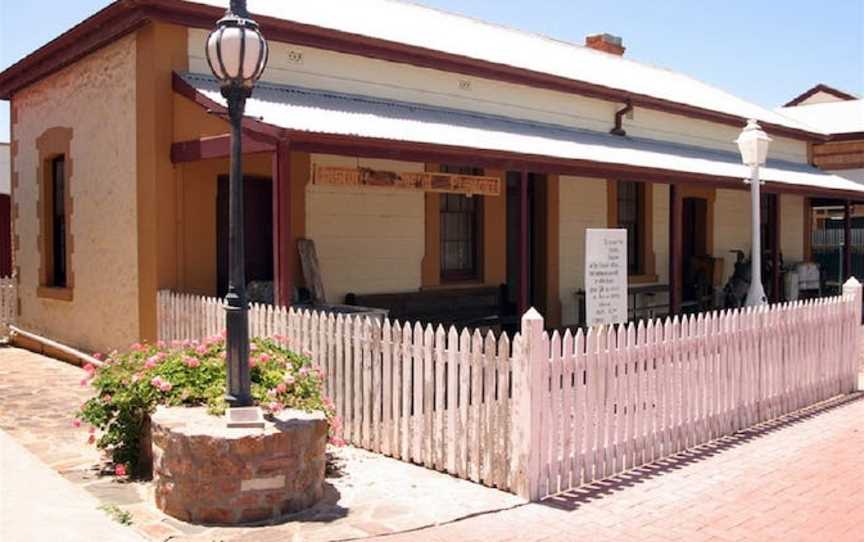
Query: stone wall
point(207, 473)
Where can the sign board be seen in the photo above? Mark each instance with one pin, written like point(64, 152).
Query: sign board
point(471, 185)
point(605, 276)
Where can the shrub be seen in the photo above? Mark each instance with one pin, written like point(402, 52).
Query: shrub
point(129, 387)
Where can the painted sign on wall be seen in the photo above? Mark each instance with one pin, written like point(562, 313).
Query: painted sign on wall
point(425, 182)
point(605, 276)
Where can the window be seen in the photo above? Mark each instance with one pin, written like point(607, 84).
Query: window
point(461, 219)
point(631, 216)
point(58, 222)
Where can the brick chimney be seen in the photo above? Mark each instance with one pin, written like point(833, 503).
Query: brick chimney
point(606, 43)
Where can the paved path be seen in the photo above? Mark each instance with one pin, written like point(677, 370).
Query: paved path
point(39, 505)
point(796, 480)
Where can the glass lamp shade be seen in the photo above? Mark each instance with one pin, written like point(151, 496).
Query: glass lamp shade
point(237, 52)
point(753, 144)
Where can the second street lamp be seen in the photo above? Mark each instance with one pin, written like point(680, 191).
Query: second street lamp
point(753, 144)
point(237, 54)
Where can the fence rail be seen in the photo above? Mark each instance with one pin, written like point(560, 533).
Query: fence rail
point(545, 413)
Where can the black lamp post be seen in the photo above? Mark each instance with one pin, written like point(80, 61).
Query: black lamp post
point(237, 54)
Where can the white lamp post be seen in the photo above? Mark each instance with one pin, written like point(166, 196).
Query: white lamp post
point(753, 144)
point(237, 53)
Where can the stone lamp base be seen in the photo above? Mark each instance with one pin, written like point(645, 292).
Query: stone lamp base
point(206, 473)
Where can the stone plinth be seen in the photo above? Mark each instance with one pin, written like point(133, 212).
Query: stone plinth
point(207, 473)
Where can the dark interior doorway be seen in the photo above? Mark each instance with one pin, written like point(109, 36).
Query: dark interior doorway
point(537, 240)
point(258, 215)
point(695, 240)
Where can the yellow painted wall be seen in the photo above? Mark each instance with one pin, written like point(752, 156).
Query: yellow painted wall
point(350, 73)
point(368, 240)
point(96, 99)
point(732, 230)
point(792, 228)
point(582, 205)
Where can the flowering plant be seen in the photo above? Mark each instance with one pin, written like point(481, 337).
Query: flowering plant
point(130, 385)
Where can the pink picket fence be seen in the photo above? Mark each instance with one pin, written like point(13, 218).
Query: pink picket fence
point(542, 413)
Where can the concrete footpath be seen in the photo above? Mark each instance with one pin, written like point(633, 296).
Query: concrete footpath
point(39, 505)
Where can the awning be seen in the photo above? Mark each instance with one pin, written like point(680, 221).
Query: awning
point(324, 112)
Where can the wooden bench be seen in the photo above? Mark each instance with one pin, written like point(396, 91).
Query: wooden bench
point(463, 307)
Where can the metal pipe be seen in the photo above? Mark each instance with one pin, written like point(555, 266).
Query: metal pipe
point(756, 293)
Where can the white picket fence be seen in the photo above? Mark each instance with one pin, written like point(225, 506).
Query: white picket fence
point(542, 414)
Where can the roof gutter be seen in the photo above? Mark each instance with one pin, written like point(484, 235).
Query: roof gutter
point(125, 16)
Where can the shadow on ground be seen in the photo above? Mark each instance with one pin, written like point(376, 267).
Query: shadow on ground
point(572, 499)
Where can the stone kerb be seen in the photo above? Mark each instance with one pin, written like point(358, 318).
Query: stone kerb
point(207, 473)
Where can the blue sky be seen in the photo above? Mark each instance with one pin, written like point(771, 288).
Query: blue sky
point(767, 51)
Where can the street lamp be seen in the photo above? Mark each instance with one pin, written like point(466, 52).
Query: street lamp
point(753, 144)
point(237, 54)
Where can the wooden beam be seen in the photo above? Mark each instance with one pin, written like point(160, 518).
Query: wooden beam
point(676, 249)
point(283, 242)
point(847, 239)
point(524, 247)
point(215, 147)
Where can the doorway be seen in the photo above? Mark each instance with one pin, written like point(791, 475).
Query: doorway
point(258, 218)
point(694, 224)
point(538, 241)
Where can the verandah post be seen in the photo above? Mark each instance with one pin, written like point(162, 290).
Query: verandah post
point(853, 288)
point(525, 408)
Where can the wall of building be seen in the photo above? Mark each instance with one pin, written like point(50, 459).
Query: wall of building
point(368, 240)
point(316, 68)
point(792, 229)
point(583, 204)
point(96, 99)
point(5, 169)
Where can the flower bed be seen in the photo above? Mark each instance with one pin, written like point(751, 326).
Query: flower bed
point(130, 385)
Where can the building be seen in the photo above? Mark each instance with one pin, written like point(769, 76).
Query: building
point(841, 115)
point(522, 142)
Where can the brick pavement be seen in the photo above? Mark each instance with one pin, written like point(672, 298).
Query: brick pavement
point(797, 479)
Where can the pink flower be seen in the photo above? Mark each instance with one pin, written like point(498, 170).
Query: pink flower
point(304, 371)
point(90, 368)
point(191, 362)
point(120, 470)
point(85, 381)
point(252, 362)
point(281, 388)
point(337, 441)
point(106, 398)
point(151, 362)
point(253, 347)
point(91, 440)
point(97, 355)
point(201, 349)
point(91, 430)
point(329, 403)
point(137, 347)
point(275, 407)
point(76, 423)
point(289, 379)
point(264, 358)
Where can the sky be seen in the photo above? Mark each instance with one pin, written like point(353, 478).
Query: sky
point(766, 51)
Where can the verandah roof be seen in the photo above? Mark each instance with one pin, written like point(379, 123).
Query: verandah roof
point(324, 112)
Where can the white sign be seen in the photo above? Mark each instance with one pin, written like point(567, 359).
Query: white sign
point(605, 276)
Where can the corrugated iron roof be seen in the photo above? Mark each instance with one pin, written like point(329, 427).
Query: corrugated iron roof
point(840, 117)
point(326, 112)
point(420, 26)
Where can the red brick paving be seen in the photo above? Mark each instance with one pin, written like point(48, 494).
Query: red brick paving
point(798, 479)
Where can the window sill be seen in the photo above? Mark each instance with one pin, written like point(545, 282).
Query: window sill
point(449, 285)
point(58, 294)
point(642, 279)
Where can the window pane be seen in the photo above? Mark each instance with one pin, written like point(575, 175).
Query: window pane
point(58, 221)
point(459, 243)
point(631, 203)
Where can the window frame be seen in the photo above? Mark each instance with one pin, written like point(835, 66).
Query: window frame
point(54, 148)
point(646, 271)
point(475, 272)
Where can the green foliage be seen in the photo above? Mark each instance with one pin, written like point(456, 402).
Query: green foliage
point(117, 514)
point(190, 373)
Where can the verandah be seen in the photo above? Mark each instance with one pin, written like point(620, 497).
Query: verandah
point(539, 414)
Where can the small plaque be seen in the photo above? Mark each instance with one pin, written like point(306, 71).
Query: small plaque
point(245, 418)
